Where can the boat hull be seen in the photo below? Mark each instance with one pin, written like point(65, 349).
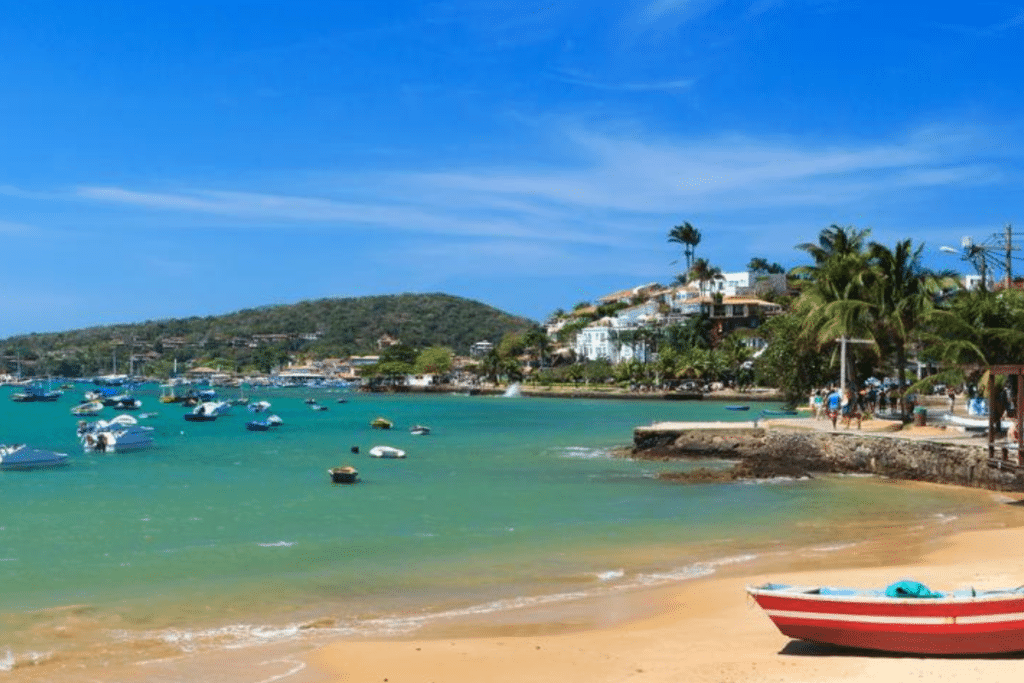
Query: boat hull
point(983, 624)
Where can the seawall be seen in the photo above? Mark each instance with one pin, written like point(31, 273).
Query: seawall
point(769, 451)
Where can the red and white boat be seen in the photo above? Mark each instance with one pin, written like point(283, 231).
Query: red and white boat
point(964, 622)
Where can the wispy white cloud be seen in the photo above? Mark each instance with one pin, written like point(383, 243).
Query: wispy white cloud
point(609, 187)
point(574, 78)
point(628, 174)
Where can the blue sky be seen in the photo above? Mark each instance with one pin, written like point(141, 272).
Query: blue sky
point(172, 159)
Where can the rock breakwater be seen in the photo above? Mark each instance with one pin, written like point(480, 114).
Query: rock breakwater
point(765, 452)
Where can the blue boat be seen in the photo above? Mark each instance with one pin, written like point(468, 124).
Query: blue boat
point(737, 407)
point(257, 425)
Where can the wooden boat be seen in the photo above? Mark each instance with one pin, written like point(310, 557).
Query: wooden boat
point(381, 423)
point(343, 475)
point(905, 617)
point(386, 452)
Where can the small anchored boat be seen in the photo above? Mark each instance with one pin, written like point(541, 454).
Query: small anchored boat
point(381, 423)
point(87, 408)
point(737, 407)
point(386, 452)
point(419, 430)
point(343, 475)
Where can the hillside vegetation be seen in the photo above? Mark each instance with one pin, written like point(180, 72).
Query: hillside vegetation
point(321, 328)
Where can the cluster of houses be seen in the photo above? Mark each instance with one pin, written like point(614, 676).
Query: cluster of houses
point(732, 302)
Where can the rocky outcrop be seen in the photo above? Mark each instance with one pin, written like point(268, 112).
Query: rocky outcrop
point(764, 453)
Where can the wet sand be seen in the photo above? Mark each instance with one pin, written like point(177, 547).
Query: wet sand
point(706, 631)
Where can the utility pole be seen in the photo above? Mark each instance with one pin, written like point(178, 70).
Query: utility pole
point(1009, 253)
point(842, 359)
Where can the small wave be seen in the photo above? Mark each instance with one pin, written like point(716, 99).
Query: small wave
point(277, 544)
point(610, 575)
point(834, 548)
point(584, 453)
point(11, 661)
point(945, 518)
point(773, 480)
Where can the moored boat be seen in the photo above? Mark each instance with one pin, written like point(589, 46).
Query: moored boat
point(23, 457)
point(87, 408)
point(118, 439)
point(381, 423)
point(257, 425)
point(207, 411)
point(906, 617)
point(343, 475)
point(386, 452)
point(419, 430)
point(258, 407)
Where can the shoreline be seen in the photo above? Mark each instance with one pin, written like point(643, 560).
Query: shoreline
point(703, 630)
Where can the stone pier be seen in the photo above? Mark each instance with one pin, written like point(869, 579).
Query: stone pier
point(771, 450)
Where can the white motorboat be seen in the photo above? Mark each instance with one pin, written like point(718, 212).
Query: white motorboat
point(259, 406)
point(119, 422)
point(118, 440)
point(386, 452)
point(419, 430)
point(22, 457)
point(87, 408)
point(212, 408)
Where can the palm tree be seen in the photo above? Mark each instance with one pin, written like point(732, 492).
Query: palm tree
point(689, 237)
point(903, 295)
point(703, 272)
point(835, 303)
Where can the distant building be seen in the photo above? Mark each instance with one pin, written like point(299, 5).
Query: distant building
point(481, 349)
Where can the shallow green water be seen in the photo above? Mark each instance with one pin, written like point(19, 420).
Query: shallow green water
point(218, 535)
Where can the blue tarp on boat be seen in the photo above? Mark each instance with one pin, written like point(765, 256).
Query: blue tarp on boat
point(910, 589)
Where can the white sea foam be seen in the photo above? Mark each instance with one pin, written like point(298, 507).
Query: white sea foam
point(238, 636)
point(611, 575)
point(583, 453)
point(834, 548)
point(277, 544)
point(11, 661)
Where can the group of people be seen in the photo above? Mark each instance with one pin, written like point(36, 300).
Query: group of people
point(834, 404)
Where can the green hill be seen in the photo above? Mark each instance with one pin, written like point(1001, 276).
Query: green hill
point(321, 328)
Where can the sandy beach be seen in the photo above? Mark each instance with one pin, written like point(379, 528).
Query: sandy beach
point(704, 631)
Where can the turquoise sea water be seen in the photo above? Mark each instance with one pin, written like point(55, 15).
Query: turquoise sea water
point(218, 537)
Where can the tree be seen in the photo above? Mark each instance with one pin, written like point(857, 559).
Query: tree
point(538, 345)
point(760, 266)
point(703, 272)
point(399, 352)
point(436, 360)
point(689, 237)
point(835, 303)
point(903, 297)
point(791, 363)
